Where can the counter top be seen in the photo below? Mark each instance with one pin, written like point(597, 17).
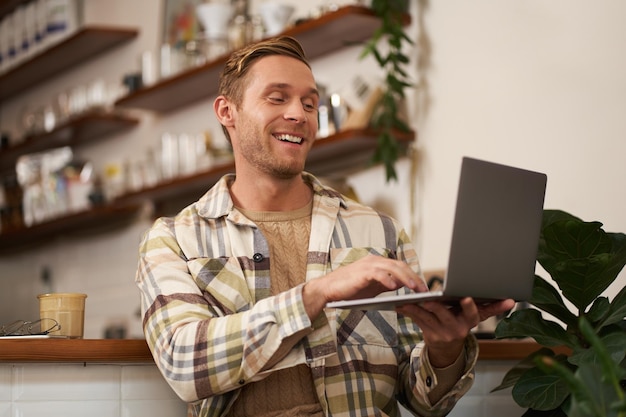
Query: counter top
point(136, 350)
point(75, 350)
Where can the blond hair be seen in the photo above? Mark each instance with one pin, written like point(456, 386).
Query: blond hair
point(233, 80)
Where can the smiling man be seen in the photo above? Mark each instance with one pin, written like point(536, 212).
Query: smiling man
point(234, 287)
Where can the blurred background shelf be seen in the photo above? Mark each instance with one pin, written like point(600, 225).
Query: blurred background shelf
point(345, 151)
point(82, 129)
point(98, 219)
point(348, 25)
point(86, 43)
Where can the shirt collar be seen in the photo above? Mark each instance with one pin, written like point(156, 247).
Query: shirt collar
point(217, 202)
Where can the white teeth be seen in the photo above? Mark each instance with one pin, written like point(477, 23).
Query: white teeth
point(289, 138)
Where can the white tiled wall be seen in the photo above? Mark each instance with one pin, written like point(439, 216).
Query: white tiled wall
point(480, 402)
point(75, 390)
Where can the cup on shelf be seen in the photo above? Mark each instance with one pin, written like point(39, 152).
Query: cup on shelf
point(275, 16)
point(215, 18)
point(147, 64)
point(49, 118)
point(169, 156)
point(68, 309)
point(77, 100)
point(113, 180)
point(61, 104)
point(97, 95)
point(27, 121)
point(171, 61)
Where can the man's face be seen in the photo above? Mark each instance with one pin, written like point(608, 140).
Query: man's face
point(276, 124)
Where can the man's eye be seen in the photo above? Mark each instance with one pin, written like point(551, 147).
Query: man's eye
point(276, 99)
point(309, 107)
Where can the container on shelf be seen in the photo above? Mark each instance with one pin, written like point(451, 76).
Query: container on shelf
point(67, 309)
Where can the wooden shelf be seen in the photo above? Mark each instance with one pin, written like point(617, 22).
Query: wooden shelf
point(348, 151)
point(82, 129)
point(90, 221)
point(344, 152)
point(7, 6)
point(348, 25)
point(512, 349)
point(86, 43)
point(180, 186)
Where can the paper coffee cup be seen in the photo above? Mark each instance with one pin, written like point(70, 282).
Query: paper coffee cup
point(68, 309)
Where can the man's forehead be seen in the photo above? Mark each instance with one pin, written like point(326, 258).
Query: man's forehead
point(270, 72)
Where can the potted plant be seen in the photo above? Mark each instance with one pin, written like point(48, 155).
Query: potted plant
point(583, 260)
point(392, 60)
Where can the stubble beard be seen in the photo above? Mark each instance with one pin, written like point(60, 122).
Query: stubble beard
point(257, 152)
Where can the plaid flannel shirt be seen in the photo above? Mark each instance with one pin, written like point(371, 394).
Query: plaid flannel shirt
point(212, 325)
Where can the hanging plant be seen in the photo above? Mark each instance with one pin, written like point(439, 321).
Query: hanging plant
point(386, 118)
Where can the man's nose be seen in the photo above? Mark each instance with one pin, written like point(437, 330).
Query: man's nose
point(295, 112)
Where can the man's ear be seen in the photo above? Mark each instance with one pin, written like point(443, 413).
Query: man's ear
point(224, 110)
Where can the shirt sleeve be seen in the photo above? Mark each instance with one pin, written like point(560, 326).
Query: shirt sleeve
point(423, 380)
point(446, 378)
point(200, 350)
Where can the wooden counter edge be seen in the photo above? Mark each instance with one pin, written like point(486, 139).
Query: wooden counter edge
point(511, 349)
point(75, 350)
point(136, 350)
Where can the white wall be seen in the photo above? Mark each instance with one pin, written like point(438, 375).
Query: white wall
point(72, 390)
point(535, 84)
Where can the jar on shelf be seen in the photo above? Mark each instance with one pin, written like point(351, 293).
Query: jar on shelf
point(241, 27)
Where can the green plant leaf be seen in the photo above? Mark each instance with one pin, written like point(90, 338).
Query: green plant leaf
point(391, 31)
point(613, 340)
point(370, 46)
point(599, 399)
point(582, 403)
point(401, 58)
point(610, 348)
point(401, 126)
point(617, 311)
point(569, 258)
point(530, 323)
point(394, 41)
point(614, 345)
point(583, 260)
point(599, 309)
point(398, 69)
point(546, 297)
point(552, 216)
point(513, 375)
point(581, 257)
point(540, 391)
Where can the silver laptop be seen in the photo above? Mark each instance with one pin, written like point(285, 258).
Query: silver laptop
point(494, 239)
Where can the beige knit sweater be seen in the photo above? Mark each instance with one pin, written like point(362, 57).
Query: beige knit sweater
point(288, 392)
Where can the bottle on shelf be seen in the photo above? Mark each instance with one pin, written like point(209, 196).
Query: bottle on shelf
point(62, 19)
point(241, 26)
